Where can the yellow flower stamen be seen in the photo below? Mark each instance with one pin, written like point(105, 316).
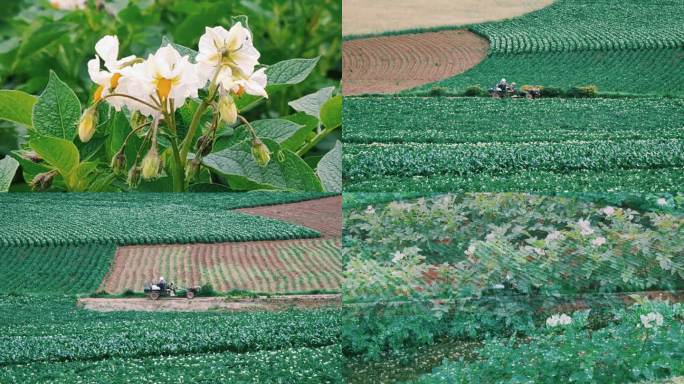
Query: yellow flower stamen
point(114, 81)
point(164, 87)
point(98, 94)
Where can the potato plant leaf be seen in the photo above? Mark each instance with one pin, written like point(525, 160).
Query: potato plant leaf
point(16, 106)
point(57, 111)
point(329, 169)
point(8, 167)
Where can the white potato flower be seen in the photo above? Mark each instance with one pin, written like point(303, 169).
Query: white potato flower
point(164, 77)
point(662, 202)
point(585, 227)
point(558, 319)
point(608, 211)
point(397, 256)
point(599, 241)
point(232, 52)
point(68, 5)
point(107, 50)
point(652, 320)
point(370, 210)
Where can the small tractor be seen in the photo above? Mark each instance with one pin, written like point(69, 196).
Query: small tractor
point(527, 91)
point(155, 291)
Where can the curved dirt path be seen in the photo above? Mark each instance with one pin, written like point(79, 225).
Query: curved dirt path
point(375, 16)
point(278, 303)
point(393, 63)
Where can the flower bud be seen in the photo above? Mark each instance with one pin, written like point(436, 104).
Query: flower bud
point(228, 109)
point(86, 127)
point(133, 176)
point(31, 156)
point(118, 162)
point(42, 181)
point(260, 152)
point(191, 169)
point(150, 164)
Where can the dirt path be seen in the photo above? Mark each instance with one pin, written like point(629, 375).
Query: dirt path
point(323, 215)
point(393, 63)
point(279, 303)
point(366, 16)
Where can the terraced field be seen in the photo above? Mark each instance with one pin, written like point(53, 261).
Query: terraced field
point(622, 46)
point(493, 145)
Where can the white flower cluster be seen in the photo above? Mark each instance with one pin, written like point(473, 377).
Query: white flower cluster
point(652, 320)
point(558, 320)
point(162, 83)
point(68, 5)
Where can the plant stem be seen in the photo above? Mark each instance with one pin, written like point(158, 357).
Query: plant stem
point(156, 108)
point(187, 142)
point(178, 167)
point(317, 139)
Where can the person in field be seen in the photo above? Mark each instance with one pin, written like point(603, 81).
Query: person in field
point(162, 284)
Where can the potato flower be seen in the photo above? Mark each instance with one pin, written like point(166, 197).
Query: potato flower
point(68, 5)
point(165, 79)
point(558, 320)
point(652, 320)
point(107, 49)
point(230, 54)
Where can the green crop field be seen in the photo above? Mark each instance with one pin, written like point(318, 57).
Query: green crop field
point(479, 144)
point(629, 46)
point(64, 269)
point(135, 219)
point(49, 339)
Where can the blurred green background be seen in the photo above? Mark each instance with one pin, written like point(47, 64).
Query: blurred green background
point(34, 38)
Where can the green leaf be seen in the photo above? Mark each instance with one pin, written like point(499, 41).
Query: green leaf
point(288, 134)
point(311, 104)
point(57, 110)
point(29, 169)
point(242, 19)
point(331, 113)
point(59, 153)
point(16, 106)
point(119, 129)
point(290, 72)
point(285, 171)
point(40, 38)
point(183, 50)
point(8, 167)
point(329, 169)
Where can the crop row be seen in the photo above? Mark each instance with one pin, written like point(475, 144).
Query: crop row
point(364, 161)
point(34, 329)
point(58, 269)
point(652, 71)
point(100, 220)
point(570, 25)
point(474, 120)
point(288, 365)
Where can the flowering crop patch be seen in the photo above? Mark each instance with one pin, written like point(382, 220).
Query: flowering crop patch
point(519, 274)
point(127, 220)
point(60, 269)
point(72, 343)
point(621, 46)
point(481, 144)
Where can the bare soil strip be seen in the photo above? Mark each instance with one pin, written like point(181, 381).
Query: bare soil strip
point(258, 266)
point(323, 215)
point(366, 16)
point(279, 303)
point(390, 64)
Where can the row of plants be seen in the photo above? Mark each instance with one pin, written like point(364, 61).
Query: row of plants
point(639, 344)
point(101, 219)
point(374, 161)
point(53, 270)
point(570, 25)
point(473, 120)
point(175, 122)
point(287, 365)
point(52, 328)
point(642, 180)
point(616, 73)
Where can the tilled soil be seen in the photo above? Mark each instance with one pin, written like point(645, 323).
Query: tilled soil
point(365, 16)
point(279, 303)
point(390, 64)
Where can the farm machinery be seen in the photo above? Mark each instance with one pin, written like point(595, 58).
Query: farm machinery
point(155, 291)
point(504, 90)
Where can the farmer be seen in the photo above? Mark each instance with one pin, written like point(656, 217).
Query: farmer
point(162, 284)
point(502, 86)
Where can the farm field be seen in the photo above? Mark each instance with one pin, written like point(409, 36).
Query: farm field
point(53, 332)
point(456, 288)
point(478, 144)
point(622, 46)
